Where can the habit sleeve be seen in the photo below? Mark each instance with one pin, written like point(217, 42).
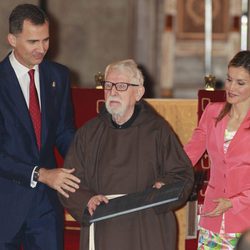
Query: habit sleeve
point(174, 166)
point(77, 202)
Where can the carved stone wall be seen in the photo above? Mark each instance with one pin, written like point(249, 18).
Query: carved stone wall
point(188, 68)
point(88, 35)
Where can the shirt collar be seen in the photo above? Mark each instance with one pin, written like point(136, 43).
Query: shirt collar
point(20, 69)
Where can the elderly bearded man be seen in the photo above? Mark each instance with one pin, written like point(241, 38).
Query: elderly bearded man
point(126, 149)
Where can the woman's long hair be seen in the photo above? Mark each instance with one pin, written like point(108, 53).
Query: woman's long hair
point(241, 59)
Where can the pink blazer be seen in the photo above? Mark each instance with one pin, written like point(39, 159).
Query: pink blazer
point(229, 173)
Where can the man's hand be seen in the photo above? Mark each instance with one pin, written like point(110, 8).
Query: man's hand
point(60, 179)
point(96, 201)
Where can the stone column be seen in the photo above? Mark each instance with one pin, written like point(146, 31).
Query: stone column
point(149, 27)
point(168, 51)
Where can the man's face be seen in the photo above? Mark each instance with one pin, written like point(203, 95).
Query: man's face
point(121, 103)
point(31, 45)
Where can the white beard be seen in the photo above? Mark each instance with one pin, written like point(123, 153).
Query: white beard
point(115, 112)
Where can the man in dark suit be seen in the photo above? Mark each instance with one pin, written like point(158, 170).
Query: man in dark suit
point(32, 122)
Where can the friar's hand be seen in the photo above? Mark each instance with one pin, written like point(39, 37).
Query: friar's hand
point(96, 201)
point(60, 179)
point(158, 184)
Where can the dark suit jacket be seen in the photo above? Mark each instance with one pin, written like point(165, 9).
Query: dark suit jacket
point(18, 150)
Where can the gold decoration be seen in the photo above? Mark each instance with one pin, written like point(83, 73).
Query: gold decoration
point(210, 82)
point(99, 78)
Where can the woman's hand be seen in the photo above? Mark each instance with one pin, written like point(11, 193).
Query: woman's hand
point(223, 205)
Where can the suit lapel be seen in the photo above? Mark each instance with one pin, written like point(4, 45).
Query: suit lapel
point(15, 96)
point(220, 133)
point(47, 99)
point(240, 132)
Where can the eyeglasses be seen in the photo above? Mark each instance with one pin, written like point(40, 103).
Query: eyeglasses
point(119, 86)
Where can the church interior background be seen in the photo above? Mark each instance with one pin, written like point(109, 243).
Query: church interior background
point(166, 38)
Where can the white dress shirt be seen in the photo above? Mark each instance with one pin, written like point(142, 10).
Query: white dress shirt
point(24, 78)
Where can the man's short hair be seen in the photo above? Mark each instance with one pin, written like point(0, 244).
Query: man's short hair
point(129, 68)
point(26, 12)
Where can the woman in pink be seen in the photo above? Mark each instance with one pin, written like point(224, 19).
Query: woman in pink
point(224, 131)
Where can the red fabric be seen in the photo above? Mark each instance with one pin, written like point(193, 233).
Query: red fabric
point(34, 108)
point(71, 239)
point(205, 96)
point(86, 105)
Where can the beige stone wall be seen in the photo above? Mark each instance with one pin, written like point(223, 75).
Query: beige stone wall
point(87, 35)
point(90, 35)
